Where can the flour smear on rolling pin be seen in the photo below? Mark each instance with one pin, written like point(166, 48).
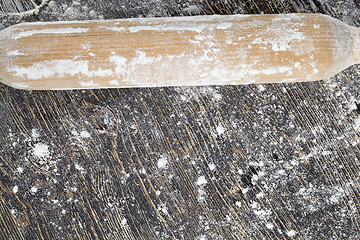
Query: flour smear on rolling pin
point(198, 50)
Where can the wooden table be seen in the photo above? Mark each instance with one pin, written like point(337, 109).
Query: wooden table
point(274, 161)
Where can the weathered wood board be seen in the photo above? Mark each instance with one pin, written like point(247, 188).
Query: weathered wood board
point(273, 161)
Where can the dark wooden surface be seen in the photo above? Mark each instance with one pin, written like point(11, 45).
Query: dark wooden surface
point(275, 161)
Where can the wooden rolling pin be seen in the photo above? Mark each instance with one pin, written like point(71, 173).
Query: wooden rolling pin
point(191, 51)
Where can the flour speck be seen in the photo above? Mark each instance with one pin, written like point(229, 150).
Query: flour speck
point(162, 162)
point(260, 195)
point(193, 9)
point(183, 98)
point(41, 150)
point(34, 189)
point(217, 96)
point(357, 124)
point(269, 226)
point(220, 129)
point(261, 87)
point(34, 133)
point(85, 134)
point(212, 166)
point(291, 233)
point(123, 222)
point(201, 180)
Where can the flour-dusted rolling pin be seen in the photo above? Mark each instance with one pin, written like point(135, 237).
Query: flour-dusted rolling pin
point(191, 51)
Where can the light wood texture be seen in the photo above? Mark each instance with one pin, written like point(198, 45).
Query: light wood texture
point(183, 51)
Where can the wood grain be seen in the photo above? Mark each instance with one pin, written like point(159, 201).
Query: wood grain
point(270, 161)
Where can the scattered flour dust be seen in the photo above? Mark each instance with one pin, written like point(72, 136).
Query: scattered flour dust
point(291, 233)
point(212, 166)
point(269, 226)
point(35, 133)
point(163, 209)
point(201, 181)
point(85, 134)
point(15, 53)
point(192, 9)
point(74, 11)
point(356, 124)
point(59, 68)
point(123, 222)
point(261, 87)
point(114, 82)
point(34, 189)
point(41, 150)
point(220, 129)
point(162, 162)
point(50, 31)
